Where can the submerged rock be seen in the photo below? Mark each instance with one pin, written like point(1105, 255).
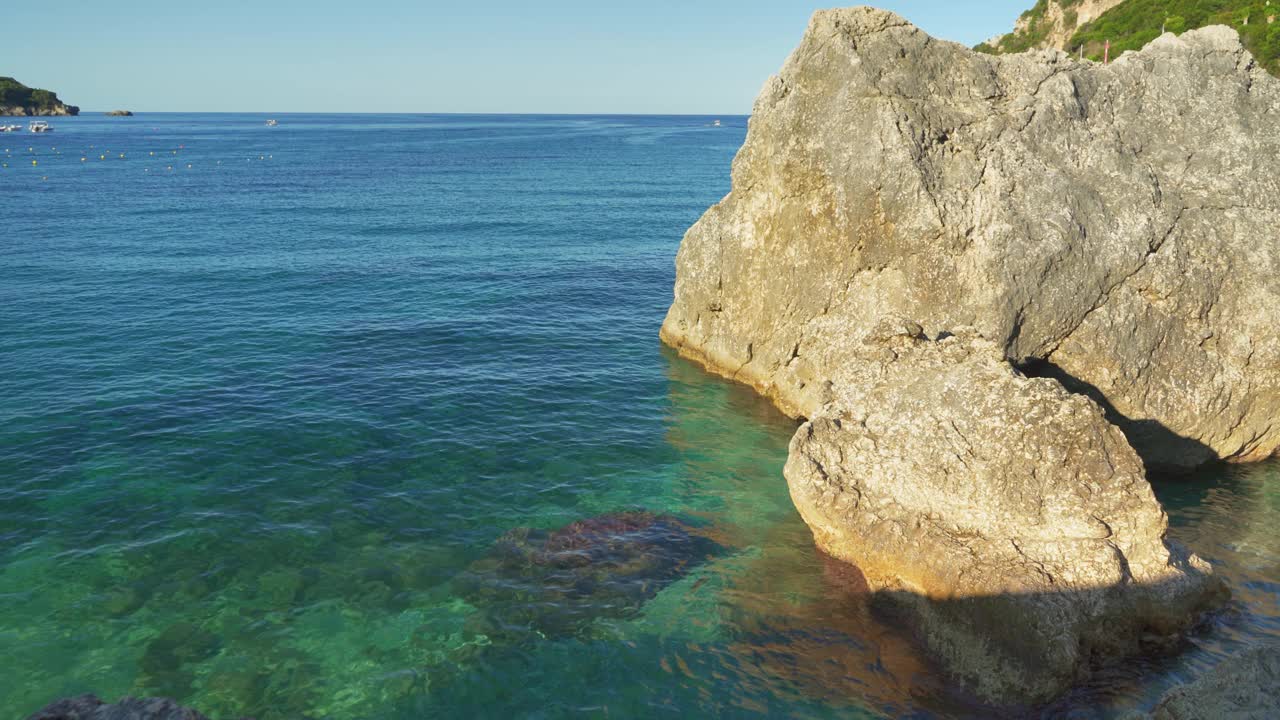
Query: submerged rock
point(1243, 687)
point(915, 231)
point(1113, 223)
point(89, 707)
point(555, 582)
point(168, 662)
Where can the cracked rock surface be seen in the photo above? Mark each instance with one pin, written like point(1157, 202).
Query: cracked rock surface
point(1116, 222)
point(916, 229)
point(1005, 511)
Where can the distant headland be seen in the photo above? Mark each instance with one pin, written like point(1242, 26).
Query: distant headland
point(18, 99)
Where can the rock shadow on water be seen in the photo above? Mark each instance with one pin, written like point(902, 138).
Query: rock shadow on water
point(903, 654)
point(844, 646)
point(555, 583)
point(1007, 641)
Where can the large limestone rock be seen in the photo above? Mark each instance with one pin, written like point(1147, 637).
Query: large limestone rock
point(1114, 224)
point(915, 232)
point(1008, 513)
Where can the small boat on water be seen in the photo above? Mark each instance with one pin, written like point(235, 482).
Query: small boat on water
point(10, 128)
point(715, 124)
point(272, 123)
point(39, 126)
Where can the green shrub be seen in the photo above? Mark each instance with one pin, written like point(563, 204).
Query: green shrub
point(1134, 23)
point(13, 92)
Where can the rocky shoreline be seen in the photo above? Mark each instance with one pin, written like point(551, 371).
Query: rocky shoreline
point(999, 290)
point(21, 111)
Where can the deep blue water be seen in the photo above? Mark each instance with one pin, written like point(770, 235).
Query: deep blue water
point(270, 398)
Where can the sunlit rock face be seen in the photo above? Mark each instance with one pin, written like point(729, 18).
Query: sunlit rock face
point(1007, 512)
point(999, 288)
point(1115, 222)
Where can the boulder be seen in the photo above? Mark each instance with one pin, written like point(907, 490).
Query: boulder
point(1004, 511)
point(1242, 687)
point(1112, 226)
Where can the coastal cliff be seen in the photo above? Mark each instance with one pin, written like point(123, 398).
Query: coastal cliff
point(18, 99)
point(1093, 27)
point(1049, 24)
point(999, 288)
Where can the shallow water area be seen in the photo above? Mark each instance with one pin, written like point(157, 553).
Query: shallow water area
point(271, 397)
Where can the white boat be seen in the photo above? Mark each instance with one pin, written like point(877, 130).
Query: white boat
point(715, 124)
point(10, 128)
point(39, 126)
point(272, 123)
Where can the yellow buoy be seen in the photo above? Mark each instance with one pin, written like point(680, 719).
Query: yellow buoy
point(122, 156)
point(153, 153)
point(102, 157)
point(33, 162)
point(83, 159)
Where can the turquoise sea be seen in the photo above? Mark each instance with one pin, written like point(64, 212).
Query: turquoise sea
point(275, 404)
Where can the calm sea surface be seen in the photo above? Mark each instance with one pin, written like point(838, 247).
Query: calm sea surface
point(270, 398)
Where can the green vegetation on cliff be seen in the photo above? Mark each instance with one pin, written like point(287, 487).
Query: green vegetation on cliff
point(14, 94)
point(1134, 23)
point(1035, 34)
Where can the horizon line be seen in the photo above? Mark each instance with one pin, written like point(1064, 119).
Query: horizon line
point(344, 112)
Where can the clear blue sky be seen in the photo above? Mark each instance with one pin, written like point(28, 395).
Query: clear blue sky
point(566, 56)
